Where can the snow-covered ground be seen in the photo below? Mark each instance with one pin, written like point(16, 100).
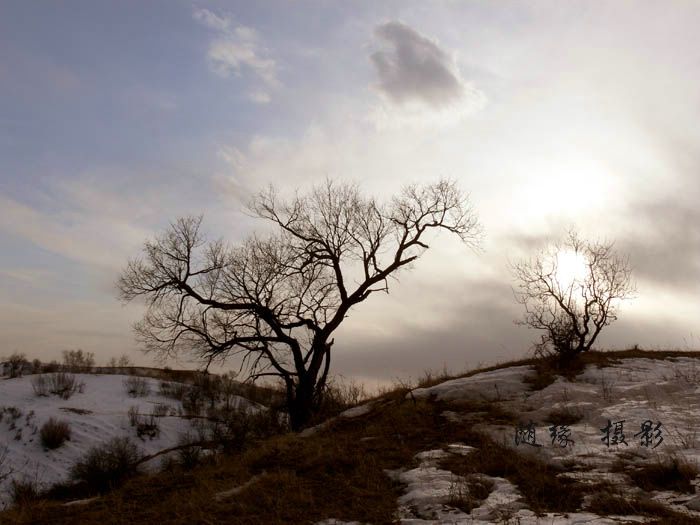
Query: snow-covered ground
point(95, 416)
point(632, 392)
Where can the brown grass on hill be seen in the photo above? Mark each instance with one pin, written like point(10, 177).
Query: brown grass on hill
point(674, 473)
point(339, 472)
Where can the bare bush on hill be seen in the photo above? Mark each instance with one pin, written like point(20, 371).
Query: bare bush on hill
point(570, 292)
point(137, 386)
point(54, 433)
point(107, 465)
point(61, 384)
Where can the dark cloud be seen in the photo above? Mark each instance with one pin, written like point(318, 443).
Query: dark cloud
point(663, 245)
point(668, 252)
point(412, 67)
point(479, 330)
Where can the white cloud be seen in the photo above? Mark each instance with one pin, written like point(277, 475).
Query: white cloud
point(237, 48)
point(92, 228)
point(25, 275)
point(211, 20)
point(231, 54)
point(259, 97)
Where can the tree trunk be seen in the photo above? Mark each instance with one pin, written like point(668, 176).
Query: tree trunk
point(301, 405)
point(307, 393)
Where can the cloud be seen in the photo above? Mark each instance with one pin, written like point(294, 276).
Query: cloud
point(32, 277)
point(81, 235)
point(259, 97)
point(211, 20)
point(412, 67)
point(665, 249)
point(236, 48)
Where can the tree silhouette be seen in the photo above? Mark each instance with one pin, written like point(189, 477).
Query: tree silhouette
point(277, 300)
point(572, 309)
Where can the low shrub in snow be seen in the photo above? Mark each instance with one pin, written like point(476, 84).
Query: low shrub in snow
point(5, 470)
point(173, 390)
point(61, 384)
point(24, 491)
point(137, 386)
point(234, 428)
point(188, 456)
point(146, 425)
point(54, 433)
point(107, 465)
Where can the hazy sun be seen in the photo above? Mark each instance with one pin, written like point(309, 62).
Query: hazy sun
point(571, 268)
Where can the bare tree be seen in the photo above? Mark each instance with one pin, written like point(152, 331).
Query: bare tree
point(571, 291)
point(16, 365)
point(276, 301)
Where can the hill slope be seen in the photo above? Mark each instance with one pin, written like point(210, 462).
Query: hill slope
point(448, 454)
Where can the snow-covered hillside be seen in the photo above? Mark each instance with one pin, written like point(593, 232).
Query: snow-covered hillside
point(500, 446)
point(631, 393)
point(95, 415)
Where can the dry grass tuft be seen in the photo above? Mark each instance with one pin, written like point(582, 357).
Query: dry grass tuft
point(564, 416)
point(469, 493)
point(672, 473)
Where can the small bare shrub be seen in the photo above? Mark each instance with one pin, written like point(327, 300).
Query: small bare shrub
point(606, 387)
point(676, 474)
point(133, 414)
point(54, 433)
point(173, 390)
point(188, 456)
point(137, 386)
point(564, 416)
point(233, 429)
point(61, 384)
point(40, 385)
point(107, 465)
point(5, 471)
point(146, 425)
point(24, 491)
point(161, 410)
point(13, 414)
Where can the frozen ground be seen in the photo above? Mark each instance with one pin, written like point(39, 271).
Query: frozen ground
point(95, 416)
point(632, 392)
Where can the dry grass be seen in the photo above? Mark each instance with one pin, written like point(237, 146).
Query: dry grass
point(670, 473)
point(469, 493)
point(564, 416)
point(537, 480)
point(332, 474)
point(335, 473)
point(54, 433)
point(610, 502)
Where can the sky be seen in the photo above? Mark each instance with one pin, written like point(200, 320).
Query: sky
point(118, 117)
